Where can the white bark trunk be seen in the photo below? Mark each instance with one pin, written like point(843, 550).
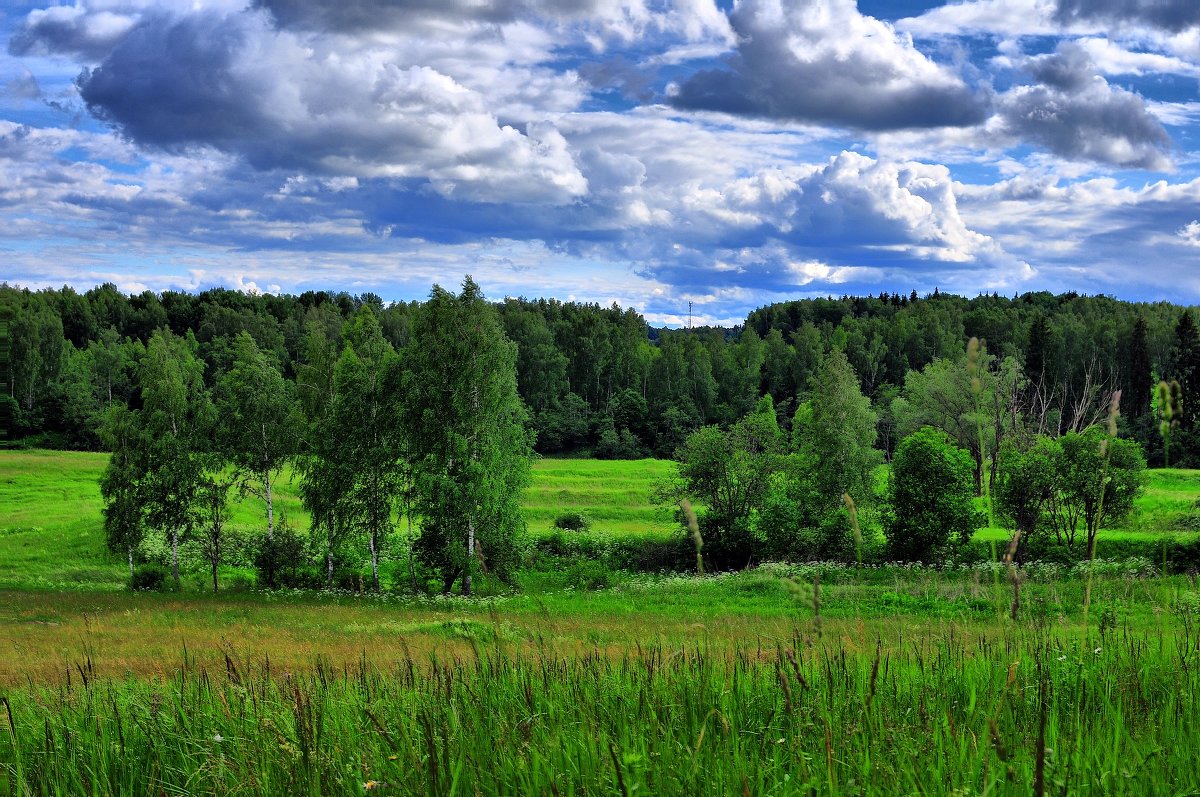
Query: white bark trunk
point(270, 509)
point(412, 570)
point(374, 562)
point(175, 556)
point(470, 557)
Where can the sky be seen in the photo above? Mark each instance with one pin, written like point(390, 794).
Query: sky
point(654, 153)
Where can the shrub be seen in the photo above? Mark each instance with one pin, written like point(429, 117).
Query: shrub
point(279, 558)
point(1185, 556)
point(930, 497)
point(589, 575)
point(152, 578)
point(348, 579)
point(573, 521)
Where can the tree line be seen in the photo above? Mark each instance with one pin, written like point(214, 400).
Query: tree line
point(432, 409)
point(598, 380)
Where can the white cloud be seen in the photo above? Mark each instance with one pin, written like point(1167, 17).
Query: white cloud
point(824, 61)
point(1190, 233)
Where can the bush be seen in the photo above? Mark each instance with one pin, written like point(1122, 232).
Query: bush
point(573, 521)
point(931, 496)
point(303, 577)
point(348, 579)
point(1185, 556)
point(237, 582)
point(278, 560)
point(152, 578)
point(589, 575)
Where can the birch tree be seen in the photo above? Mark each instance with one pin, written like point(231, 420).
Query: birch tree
point(176, 419)
point(258, 421)
point(363, 472)
point(465, 437)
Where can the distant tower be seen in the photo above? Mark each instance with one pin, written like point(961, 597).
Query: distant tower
point(689, 315)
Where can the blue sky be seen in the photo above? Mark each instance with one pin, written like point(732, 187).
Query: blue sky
point(648, 152)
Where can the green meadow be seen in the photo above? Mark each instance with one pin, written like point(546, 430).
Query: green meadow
point(51, 527)
point(783, 679)
point(52, 535)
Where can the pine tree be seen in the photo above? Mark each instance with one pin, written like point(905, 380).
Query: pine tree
point(1035, 353)
point(1136, 399)
point(1185, 367)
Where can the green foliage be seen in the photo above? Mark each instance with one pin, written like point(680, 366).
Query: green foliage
point(930, 505)
point(152, 578)
point(464, 426)
point(120, 485)
point(1098, 479)
point(729, 472)
point(1027, 485)
point(355, 484)
point(588, 574)
point(280, 560)
point(259, 423)
point(573, 521)
point(157, 471)
point(837, 438)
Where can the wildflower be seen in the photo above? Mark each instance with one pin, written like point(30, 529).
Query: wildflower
point(1097, 651)
point(218, 738)
point(1062, 657)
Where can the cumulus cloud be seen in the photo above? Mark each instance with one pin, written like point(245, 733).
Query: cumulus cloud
point(1169, 15)
point(234, 83)
point(623, 16)
point(1111, 58)
point(995, 17)
point(823, 61)
point(1073, 112)
point(1190, 233)
point(71, 30)
point(382, 146)
point(1097, 231)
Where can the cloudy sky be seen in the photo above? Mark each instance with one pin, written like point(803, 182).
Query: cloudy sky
point(649, 152)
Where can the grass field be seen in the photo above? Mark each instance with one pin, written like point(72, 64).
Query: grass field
point(780, 680)
point(776, 681)
point(51, 527)
point(51, 532)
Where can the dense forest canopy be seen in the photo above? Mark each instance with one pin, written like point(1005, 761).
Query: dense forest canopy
point(598, 380)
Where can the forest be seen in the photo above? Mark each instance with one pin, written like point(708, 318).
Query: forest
point(598, 381)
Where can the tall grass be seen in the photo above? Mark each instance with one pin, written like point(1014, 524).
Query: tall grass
point(955, 714)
